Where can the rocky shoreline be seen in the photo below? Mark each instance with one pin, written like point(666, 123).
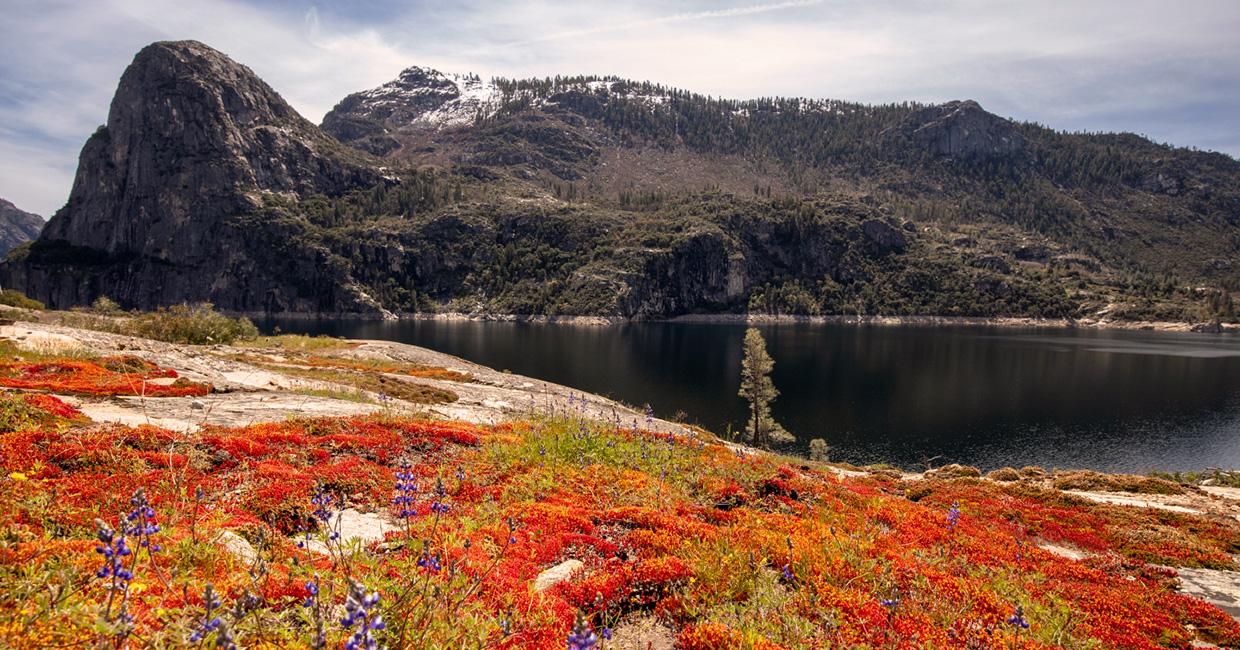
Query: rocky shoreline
point(256, 384)
point(771, 319)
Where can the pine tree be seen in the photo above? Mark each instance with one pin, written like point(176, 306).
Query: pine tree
point(758, 389)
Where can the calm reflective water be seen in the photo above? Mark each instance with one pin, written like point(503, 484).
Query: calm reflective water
point(988, 397)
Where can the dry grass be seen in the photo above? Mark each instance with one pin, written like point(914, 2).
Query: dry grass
point(375, 383)
point(1004, 474)
point(299, 343)
point(955, 471)
point(1032, 472)
point(1089, 481)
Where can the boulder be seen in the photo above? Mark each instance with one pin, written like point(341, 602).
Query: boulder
point(884, 235)
point(992, 263)
point(557, 574)
point(1213, 327)
point(237, 546)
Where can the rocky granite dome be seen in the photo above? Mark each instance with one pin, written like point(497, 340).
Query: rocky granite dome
point(963, 129)
point(17, 226)
point(603, 196)
point(193, 143)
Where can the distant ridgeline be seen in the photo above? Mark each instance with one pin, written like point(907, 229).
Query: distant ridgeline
point(17, 226)
point(590, 195)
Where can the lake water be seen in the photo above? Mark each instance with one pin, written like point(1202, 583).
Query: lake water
point(1107, 400)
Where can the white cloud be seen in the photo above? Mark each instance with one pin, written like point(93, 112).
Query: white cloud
point(1078, 65)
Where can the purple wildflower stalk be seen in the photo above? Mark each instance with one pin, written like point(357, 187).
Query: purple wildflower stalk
point(582, 637)
point(362, 618)
point(312, 603)
point(953, 516)
point(209, 622)
point(406, 491)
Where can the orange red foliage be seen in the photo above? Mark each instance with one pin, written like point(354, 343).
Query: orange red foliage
point(728, 550)
point(105, 376)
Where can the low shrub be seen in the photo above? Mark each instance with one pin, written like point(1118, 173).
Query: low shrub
point(106, 306)
point(23, 411)
point(19, 300)
point(955, 471)
point(819, 450)
point(1090, 481)
point(1004, 474)
point(1206, 477)
point(1032, 472)
point(196, 324)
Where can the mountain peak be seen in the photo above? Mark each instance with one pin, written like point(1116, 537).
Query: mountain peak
point(17, 226)
point(193, 142)
point(208, 75)
point(420, 99)
point(962, 127)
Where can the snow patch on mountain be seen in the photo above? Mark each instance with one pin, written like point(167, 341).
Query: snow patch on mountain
point(474, 98)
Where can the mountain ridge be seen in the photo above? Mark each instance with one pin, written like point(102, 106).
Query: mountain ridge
point(17, 226)
point(600, 196)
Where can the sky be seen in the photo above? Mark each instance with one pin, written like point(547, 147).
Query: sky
point(1170, 71)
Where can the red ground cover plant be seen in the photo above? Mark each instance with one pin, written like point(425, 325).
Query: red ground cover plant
point(104, 376)
point(723, 548)
point(32, 411)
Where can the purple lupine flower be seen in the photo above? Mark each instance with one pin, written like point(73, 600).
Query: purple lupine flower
point(1017, 619)
point(140, 522)
point(324, 508)
point(582, 637)
point(319, 641)
point(649, 416)
point(438, 506)
point(432, 563)
point(322, 502)
point(245, 604)
point(114, 549)
point(953, 516)
point(209, 623)
point(406, 491)
point(787, 571)
point(892, 602)
point(312, 588)
point(362, 618)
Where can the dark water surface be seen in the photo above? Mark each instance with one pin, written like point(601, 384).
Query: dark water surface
point(989, 397)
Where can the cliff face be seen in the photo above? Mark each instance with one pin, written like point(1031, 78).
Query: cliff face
point(962, 128)
point(17, 226)
point(193, 143)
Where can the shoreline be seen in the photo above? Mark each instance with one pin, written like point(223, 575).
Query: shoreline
point(780, 319)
